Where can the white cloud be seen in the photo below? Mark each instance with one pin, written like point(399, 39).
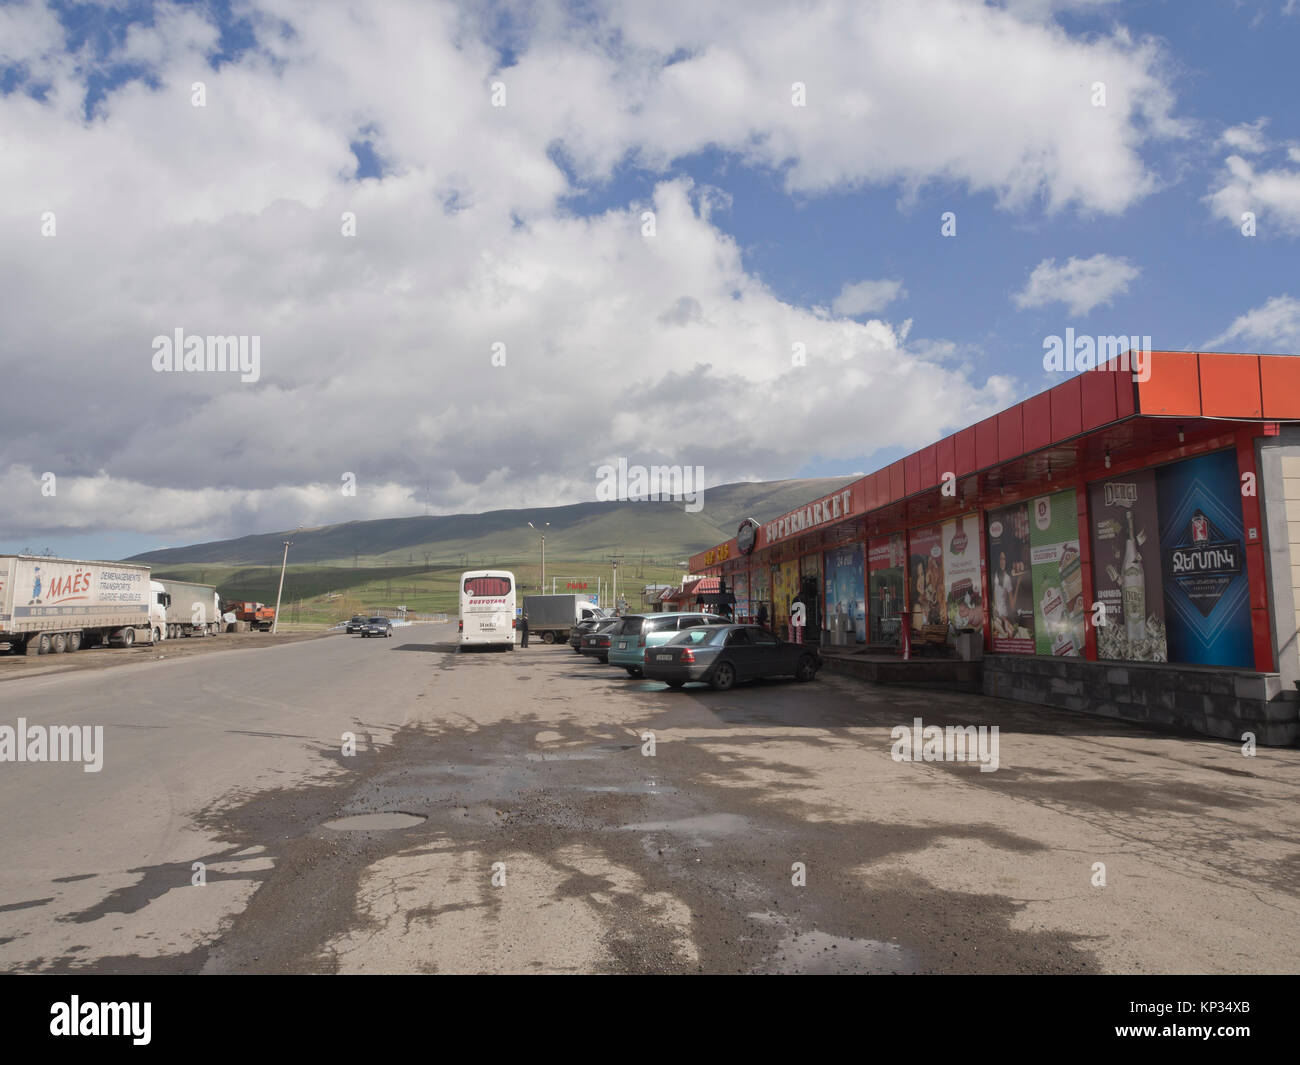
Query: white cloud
point(1248, 137)
point(1272, 328)
point(1081, 284)
point(1272, 195)
point(867, 297)
point(376, 349)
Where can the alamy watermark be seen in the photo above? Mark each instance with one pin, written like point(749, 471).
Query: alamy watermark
point(644, 483)
point(211, 354)
point(53, 743)
point(954, 743)
point(1072, 354)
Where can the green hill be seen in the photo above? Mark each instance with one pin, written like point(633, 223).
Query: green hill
point(335, 570)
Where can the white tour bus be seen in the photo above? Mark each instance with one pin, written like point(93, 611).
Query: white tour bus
point(487, 608)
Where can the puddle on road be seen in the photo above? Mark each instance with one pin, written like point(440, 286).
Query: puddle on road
point(648, 788)
point(698, 827)
point(368, 822)
point(821, 954)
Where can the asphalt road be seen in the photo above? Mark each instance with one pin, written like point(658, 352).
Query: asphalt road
point(529, 769)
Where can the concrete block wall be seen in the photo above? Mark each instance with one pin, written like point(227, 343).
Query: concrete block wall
point(1220, 703)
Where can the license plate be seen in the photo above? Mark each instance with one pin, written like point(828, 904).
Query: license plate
point(663, 658)
point(622, 645)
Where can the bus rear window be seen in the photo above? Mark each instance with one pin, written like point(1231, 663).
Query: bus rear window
point(479, 587)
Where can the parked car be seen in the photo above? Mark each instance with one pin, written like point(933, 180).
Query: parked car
point(643, 631)
point(722, 656)
point(590, 625)
point(597, 642)
point(357, 623)
point(377, 627)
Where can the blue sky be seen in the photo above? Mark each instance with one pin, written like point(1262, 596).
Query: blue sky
point(520, 225)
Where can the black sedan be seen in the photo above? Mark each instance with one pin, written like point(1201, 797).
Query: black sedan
point(582, 628)
point(724, 654)
point(596, 643)
point(377, 627)
point(357, 623)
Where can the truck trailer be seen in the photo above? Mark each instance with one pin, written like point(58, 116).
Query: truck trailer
point(552, 617)
point(54, 605)
point(191, 609)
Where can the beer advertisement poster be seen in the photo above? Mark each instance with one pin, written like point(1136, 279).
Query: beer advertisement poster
point(1203, 558)
point(1012, 609)
point(845, 589)
point(1126, 567)
point(926, 594)
point(886, 569)
point(962, 586)
point(1057, 568)
point(740, 589)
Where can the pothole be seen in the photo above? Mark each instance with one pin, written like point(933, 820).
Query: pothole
point(364, 822)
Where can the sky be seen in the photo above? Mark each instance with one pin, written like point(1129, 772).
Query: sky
point(483, 249)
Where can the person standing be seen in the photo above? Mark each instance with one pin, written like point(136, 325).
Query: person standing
point(762, 615)
point(523, 628)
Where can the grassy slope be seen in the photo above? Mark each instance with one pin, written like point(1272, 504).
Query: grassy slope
point(338, 570)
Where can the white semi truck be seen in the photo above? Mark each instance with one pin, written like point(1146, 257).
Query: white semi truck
point(53, 605)
point(190, 609)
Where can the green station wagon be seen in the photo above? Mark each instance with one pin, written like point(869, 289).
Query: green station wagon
point(640, 631)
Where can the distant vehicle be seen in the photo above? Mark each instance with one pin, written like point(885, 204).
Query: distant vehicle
point(191, 609)
point(377, 627)
point(724, 655)
point(53, 605)
point(643, 631)
point(590, 625)
point(258, 615)
point(357, 622)
point(487, 609)
point(551, 617)
point(597, 642)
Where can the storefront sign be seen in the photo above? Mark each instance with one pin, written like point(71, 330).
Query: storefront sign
point(826, 510)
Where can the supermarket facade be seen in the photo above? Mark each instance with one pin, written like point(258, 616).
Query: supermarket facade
point(1123, 547)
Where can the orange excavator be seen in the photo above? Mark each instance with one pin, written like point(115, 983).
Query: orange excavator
point(258, 615)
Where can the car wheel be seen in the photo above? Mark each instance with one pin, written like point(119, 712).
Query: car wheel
point(675, 684)
point(605, 659)
point(806, 670)
point(633, 671)
point(724, 676)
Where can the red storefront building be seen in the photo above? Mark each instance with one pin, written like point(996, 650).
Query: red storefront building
point(1116, 546)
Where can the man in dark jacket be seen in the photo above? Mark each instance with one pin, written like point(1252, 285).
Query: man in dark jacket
point(762, 615)
point(523, 628)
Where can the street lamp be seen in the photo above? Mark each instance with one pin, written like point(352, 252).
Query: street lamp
point(275, 624)
point(545, 525)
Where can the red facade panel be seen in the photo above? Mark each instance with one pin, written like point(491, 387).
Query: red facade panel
point(1067, 409)
point(1098, 399)
point(1010, 434)
point(964, 460)
point(1174, 387)
point(1037, 421)
point(912, 473)
point(929, 466)
point(986, 443)
point(1279, 377)
point(1230, 386)
point(897, 486)
point(946, 456)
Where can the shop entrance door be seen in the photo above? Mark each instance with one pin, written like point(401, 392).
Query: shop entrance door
point(810, 593)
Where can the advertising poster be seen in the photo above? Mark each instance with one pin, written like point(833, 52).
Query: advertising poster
point(926, 596)
point(1203, 561)
point(963, 591)
point(1126, 567)
point(886, 571)
point(845, 588)
point(1057, 568)
point(760, 591)
point(1012, 613)
point(740, 589)
point(785, 583)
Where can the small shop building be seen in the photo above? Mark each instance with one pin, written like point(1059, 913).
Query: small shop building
point(1119, 546)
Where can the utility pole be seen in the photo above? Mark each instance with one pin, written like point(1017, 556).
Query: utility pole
point(275, 625)
point(541, 585)
point(613, 562)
